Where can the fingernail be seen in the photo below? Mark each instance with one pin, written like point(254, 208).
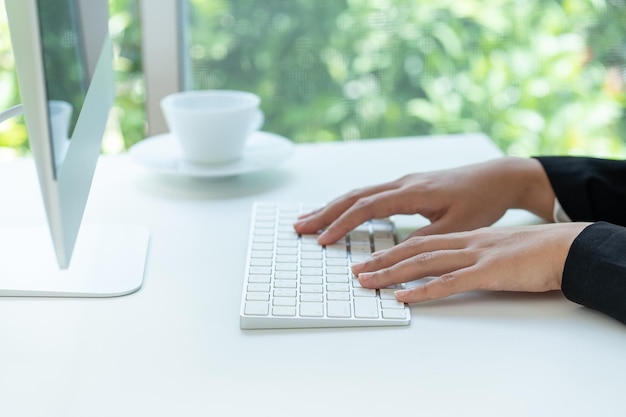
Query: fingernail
point(400, 294)
point(366, 276)
point(321, 239)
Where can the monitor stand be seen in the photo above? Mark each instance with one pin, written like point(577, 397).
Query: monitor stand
point(108, 261)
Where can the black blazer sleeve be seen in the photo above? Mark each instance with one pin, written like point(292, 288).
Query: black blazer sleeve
point(589, 189)
point(595, 270)
point(594, 190)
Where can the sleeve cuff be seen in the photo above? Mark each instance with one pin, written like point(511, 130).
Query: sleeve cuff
point(558, 214)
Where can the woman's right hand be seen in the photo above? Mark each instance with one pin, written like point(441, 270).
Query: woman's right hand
point(453, 200)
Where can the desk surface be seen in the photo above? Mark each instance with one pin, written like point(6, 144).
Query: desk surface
point(175, 347)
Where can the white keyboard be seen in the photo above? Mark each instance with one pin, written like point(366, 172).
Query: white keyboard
point(291, 281)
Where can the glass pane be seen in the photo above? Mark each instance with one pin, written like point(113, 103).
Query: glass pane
point(535, 75)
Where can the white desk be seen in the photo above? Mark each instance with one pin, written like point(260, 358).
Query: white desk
point(175, 348)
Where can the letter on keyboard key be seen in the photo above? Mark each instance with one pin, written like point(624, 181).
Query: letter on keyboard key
point(366, 308)
point(339, 309)
point(257, 308)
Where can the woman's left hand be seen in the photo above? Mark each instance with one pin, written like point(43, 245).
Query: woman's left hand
point(527, 258)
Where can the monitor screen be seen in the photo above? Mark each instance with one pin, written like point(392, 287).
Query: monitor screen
point(65, 71)
point(64, 62)
point(66, 82)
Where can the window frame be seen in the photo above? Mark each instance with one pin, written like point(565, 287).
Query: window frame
point(161, 53)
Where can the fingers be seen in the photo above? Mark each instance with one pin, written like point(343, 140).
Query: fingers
point(322, 218)
point(381, 205)
point(415, 258)
point(456, 282)
point(348, 212)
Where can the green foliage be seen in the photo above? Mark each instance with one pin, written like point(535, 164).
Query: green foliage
point(538, 76)
point(12, 132)
point(131, 95)
point(341, 70)
point(129, 104)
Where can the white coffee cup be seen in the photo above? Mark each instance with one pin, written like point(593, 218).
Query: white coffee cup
point(212, 126)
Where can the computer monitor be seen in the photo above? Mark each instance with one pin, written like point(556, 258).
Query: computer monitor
point(64, 62)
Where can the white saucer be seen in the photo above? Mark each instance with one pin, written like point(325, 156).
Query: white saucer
point(162, 154)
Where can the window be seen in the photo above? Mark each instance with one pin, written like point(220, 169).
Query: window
point(536, 75)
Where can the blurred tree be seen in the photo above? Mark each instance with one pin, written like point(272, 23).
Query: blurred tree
point(129, 105)
point(538, 76)
point(351, 69)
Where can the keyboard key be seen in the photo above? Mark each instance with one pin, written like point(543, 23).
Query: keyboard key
point(261, 262)
point(257, 308)
point(312, 309)
point(336, 262)
point(311, 280)
point(264, 254)
point(339, 309)
point(286, 275)
point(335, 287)
point(257, 296)
point(338, 296)
point(284, 311)
point(337, 270)
point(284, 301)
point(266, 279)
point(394, 314)
point(387, 294)
point(311, 298)
point(366, 307)
point(285, 292)
point(364, 292)
point(385, 304)
point(283, 283)
point(258, 287)
point(338, 278)
point(260, 270)
point(318, 289)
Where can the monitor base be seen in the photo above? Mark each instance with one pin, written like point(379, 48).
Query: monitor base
point(108, 261)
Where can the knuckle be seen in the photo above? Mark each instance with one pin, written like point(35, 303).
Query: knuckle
point(356, 194)
point(364, 202)
point(424, 257)
point(448, 279)
point(414, 241)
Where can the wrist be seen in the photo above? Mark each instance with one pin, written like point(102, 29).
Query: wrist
point(533, 191)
